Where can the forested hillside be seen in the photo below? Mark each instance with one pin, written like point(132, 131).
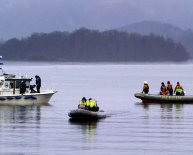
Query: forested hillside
point(185, 37)
point(85, 45)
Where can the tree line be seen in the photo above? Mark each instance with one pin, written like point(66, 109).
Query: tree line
point(84, 45)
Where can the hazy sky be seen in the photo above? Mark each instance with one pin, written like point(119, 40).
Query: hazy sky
point(20, 18)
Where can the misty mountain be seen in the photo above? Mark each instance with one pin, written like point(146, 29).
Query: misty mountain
point(84, 45)
point(185, 37)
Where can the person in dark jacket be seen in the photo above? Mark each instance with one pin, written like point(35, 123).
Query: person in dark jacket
point(22, 87)
point(32, 88)
point(170, 88)
point(38, 83)
point(163, 89)
point(145, 88)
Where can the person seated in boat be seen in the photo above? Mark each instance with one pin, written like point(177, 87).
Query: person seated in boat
point(145, 88)
point(170, 88)
point(22, 87)
point(179, 91)
point(92, 105)
point(83, 103)
point(32, 88)
point(163, 89)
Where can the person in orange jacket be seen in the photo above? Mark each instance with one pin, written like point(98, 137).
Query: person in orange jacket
point(163, 89)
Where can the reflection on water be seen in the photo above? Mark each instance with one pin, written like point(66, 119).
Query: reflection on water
point(86, 127)
point(166, 110)
point(170, 107)
point(164, 106)
point(19, 127)
point(19, 114)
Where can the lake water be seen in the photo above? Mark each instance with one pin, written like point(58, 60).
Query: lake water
point(132, 128)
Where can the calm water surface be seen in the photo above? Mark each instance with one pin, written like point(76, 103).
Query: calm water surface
point(132, 128)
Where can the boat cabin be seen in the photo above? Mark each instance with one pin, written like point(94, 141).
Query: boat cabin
point(10, 85)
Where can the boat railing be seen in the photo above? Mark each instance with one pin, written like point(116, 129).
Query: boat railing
point(6, 92)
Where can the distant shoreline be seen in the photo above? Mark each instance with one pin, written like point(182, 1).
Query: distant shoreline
point(9, 62)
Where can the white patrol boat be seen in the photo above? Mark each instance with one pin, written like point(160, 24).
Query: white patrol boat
point(10, 93)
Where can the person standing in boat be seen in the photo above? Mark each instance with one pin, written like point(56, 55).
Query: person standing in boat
point(163, 89)
point(38, 83)
point(22, 87)
point(145, 88)
point(179, 90)
point(170, 88)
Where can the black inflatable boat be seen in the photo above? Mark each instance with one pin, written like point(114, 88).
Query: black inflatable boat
point(86, 114)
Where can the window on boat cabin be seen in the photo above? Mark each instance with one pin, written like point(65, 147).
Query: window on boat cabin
point(17, 84)
point(1, 83)
point(11, 84)
point(27, 84)
point(6, 84)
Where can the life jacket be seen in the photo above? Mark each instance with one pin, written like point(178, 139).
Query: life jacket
point(92, 103)
point(163, 93)
point(178, 88)
point(83, 103)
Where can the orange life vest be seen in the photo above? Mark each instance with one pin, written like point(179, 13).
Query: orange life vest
point(163, 93)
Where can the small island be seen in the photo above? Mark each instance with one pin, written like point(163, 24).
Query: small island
point(84, 45)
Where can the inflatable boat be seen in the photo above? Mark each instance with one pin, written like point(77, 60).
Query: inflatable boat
point(81, 114)
point(154, 98)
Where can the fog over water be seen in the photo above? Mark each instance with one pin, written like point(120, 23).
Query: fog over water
point(132, 128)
point(21, 18)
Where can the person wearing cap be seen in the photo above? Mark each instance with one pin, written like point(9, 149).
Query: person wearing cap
point(38, 83)
point(163, 89)
point(179, 90)
point(170, 88)
point(83, 103)
point(145, 88)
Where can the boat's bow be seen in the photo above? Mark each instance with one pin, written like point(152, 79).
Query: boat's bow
point(139, 95)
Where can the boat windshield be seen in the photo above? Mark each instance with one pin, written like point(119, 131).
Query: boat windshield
point(17, 84)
